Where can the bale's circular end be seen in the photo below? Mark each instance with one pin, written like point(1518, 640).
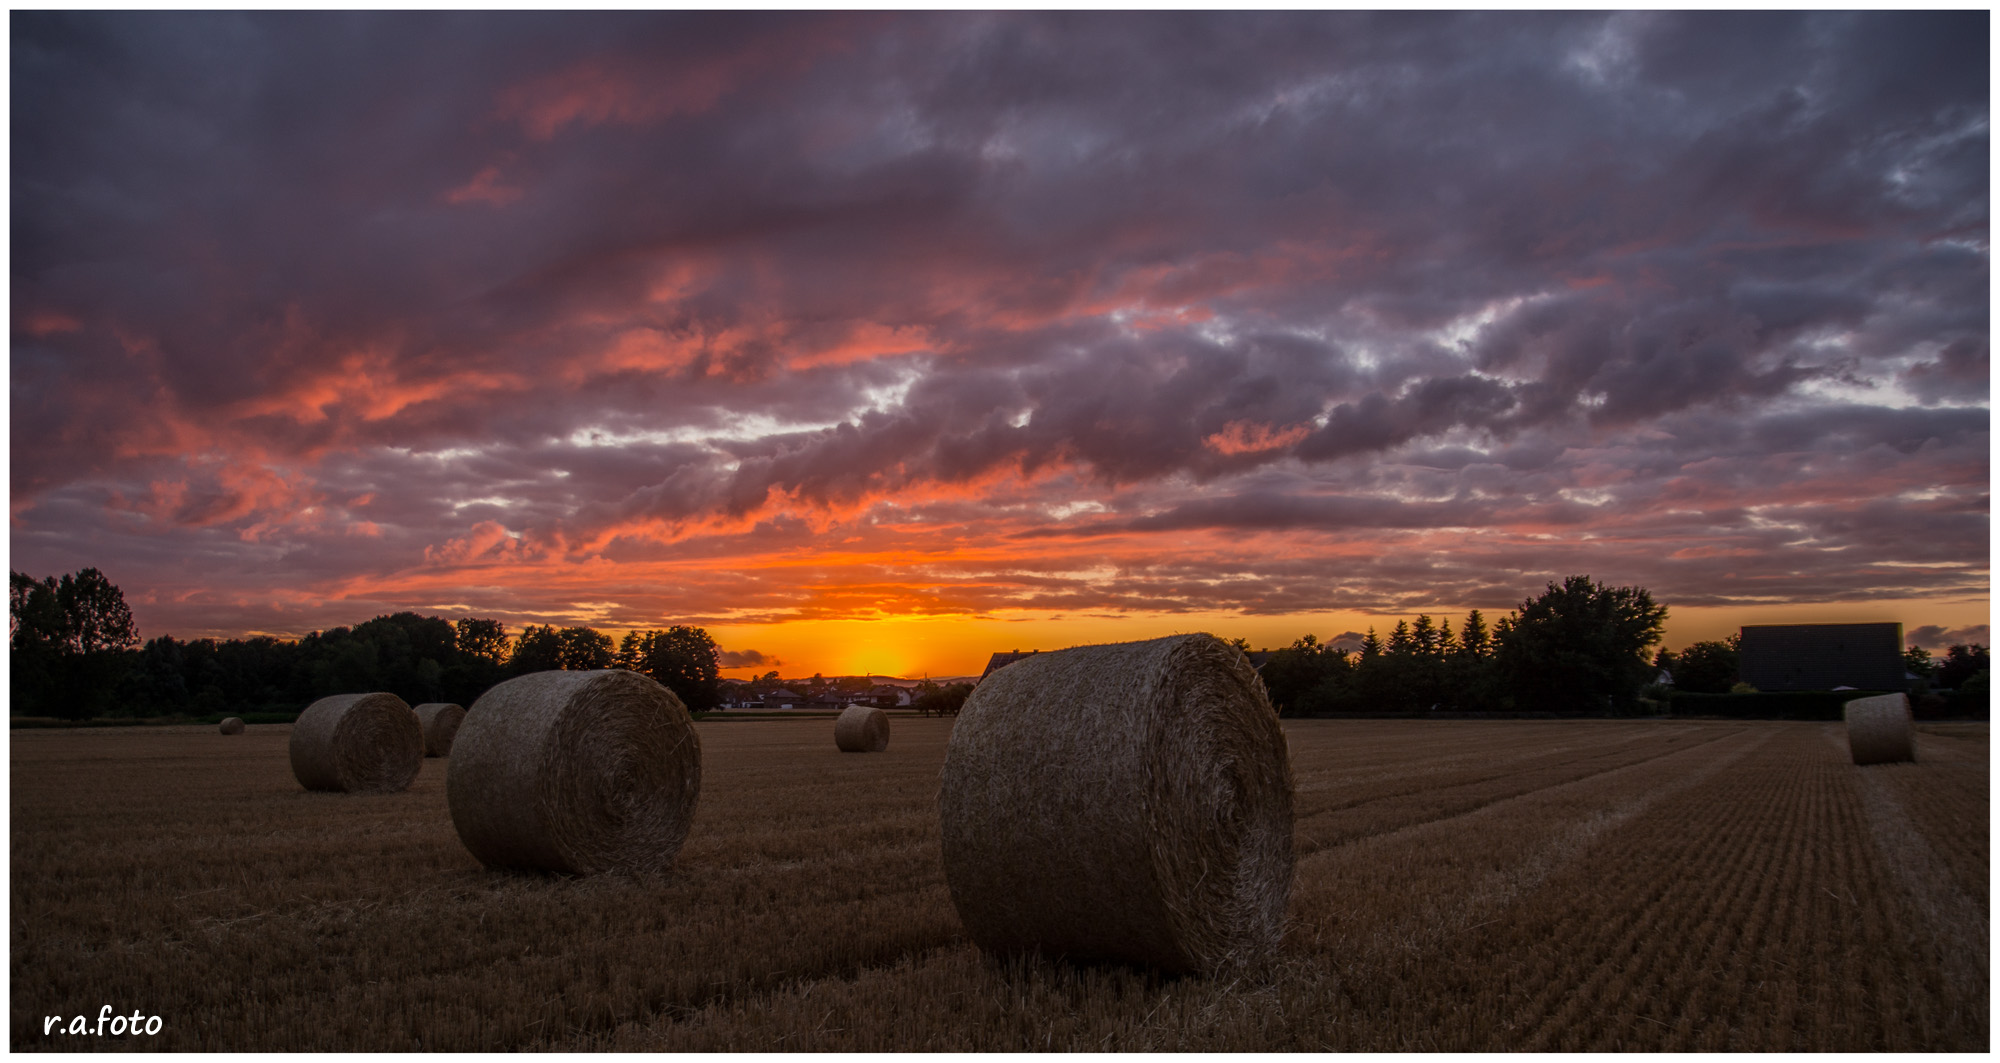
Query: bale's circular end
point(1880, 731)
point(575, 772)
point(232, 726)
point(440, 721)
point(861, 729)
point(1129, 802)
point(357, 743)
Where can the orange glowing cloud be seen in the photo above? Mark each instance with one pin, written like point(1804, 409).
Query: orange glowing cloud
point(487, 542)
point(646, 350)
point(1243, 437)
point(865, 341)
point(374, 383)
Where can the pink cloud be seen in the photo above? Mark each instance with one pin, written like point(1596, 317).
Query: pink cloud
point(485, 187)
point(485, 543)
point(1246, 437)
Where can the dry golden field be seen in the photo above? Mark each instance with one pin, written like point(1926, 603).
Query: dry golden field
point(1517, 885)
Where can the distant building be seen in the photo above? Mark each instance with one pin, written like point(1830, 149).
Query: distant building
point(783, 699)
point(1822, 656)
point(886, 696)
point(739, 696)
point(1002, 660)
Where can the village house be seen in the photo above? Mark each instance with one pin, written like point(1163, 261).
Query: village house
point(887, 696)
point(1002, 660)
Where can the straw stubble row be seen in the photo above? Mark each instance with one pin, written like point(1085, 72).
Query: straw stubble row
point(1128, 803)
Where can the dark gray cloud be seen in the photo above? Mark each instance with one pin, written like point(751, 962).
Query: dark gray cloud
point(1938, 639)
point(748, 659)
point(330, 300)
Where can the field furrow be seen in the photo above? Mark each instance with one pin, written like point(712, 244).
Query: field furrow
point(1466, 886)
point(1748, 871)
point(1450, 797)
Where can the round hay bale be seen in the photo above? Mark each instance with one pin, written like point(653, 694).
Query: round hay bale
point(357, 743)
point(1129, 802)
point(575, 772)
point(861, 729)
point(440, 721)
point(1879, 730)
point(232, 726)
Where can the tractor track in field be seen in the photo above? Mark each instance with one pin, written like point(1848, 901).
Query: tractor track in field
point(1461, 799)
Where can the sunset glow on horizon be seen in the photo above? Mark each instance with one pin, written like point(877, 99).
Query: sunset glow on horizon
point(877, 343)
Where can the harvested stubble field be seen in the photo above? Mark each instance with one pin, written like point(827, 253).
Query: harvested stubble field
point(1518, 885)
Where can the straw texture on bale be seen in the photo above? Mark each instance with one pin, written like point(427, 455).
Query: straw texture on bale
point(575, 772)
point(357, 743)
point(1879, 730)
point(1128, 803)
point(861, 729)
point(232, 726)
point(440, 721)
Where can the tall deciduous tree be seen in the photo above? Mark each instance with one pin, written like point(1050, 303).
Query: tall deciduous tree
point(96, 614)
point(537, 650)
point(583, 649)
point(67, 642)
point(1962, 663)
point(1580, 648)
point(683, 659)
point(1707, 667)
point(485, 640)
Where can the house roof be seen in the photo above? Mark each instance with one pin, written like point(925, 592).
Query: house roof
point(1002, 660)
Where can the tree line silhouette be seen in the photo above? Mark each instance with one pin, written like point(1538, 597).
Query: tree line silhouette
point(76, 654)
point(1579, 648)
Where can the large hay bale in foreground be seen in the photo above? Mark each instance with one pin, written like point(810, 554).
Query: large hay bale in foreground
point(575, 772)
point(1879, 730)
point(861, 729)
point(440, 721)
point(232, 726)
point(357, 743)
point(1129, 802)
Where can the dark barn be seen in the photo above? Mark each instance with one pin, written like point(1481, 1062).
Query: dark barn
point(1823, 656)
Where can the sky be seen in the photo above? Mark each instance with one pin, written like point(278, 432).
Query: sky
point(881, 342)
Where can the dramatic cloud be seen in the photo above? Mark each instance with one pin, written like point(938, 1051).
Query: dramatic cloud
point(644, 318)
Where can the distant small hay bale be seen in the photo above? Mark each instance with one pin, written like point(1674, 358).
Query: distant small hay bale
point(861, 729)
point(575, 772)
point(1879, 730)
point(440, 721)
point(1128, 802)
point(232, 726)
point(357, 743)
